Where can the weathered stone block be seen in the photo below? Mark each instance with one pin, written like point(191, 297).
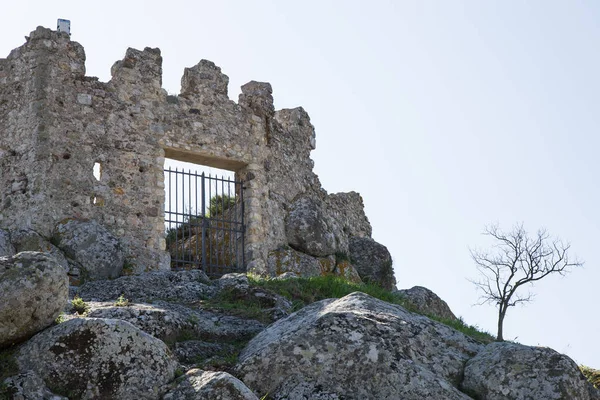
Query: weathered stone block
point(373, 262)
point(503, 371)
point(289, 260)
point(84, 99)
point(311, 230)
point(99, 358)
point(97, 252)
point(33, 291)
point(426, 302)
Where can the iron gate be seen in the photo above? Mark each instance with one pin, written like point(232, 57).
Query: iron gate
point(204, 222)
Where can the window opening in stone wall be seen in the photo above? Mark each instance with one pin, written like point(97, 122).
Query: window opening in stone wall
point(97, 171)
point(204, 218)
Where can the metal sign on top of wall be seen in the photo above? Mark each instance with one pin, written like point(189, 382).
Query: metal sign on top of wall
point(204, 222)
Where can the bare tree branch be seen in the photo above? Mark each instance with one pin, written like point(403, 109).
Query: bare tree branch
point(515, 261)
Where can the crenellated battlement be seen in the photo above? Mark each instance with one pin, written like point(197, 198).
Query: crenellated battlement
point(56, 124)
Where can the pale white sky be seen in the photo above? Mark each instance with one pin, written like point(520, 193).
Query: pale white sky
point(445, 116)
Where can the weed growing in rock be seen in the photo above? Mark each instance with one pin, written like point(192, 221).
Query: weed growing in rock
point(128, 268)
point(80, 306)
point(592, 375)
point(340, 256)
point(61, 318)
point(122, 301)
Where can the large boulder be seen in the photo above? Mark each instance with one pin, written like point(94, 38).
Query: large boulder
point(311, 230)
point(426, 302)
point(33, 291)
point(6, 247)
point(200, 385)
point(356, 347)
point(180, 287)
point(99, 358)
point(511, 371)
point(373, 262)
point(96, 251)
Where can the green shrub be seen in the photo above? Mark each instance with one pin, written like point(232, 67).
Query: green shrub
point(80, 306)
point(219, 204)
point(61, 318)
point(122, 301)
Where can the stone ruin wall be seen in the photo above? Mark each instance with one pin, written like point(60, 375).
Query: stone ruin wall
point(56, 123)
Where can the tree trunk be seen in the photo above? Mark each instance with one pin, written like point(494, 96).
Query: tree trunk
point(501, 314)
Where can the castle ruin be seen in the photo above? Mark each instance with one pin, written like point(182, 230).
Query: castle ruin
point(56, 123)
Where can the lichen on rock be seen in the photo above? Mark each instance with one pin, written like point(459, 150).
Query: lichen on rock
point(34, 289)
point(356, 347)
point(99, 358)
point(512, 371)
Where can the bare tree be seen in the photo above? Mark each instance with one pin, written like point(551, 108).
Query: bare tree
point(517, 260)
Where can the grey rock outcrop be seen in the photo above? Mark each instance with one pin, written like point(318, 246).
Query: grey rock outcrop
point(336, 348)
point(27, 386)
point(180, 287)
point(99, 358)
point(168, 321)
point(289, 260)
point(28, 240)
point(33, 291)
point(94, 249)
point(234, 281)
point(207, 385)
point(426, 302)
point(373, 261)
point(311, 230)
point(511, 371)
point(6, 247)
point(349, 210)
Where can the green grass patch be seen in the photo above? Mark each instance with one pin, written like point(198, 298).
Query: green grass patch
point(240, 304)
point(592, 375)
point(469, 330)
point(303, 291)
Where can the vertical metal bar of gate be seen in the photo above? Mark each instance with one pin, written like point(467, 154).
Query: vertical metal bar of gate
point(203, 222)
point(243, 225)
